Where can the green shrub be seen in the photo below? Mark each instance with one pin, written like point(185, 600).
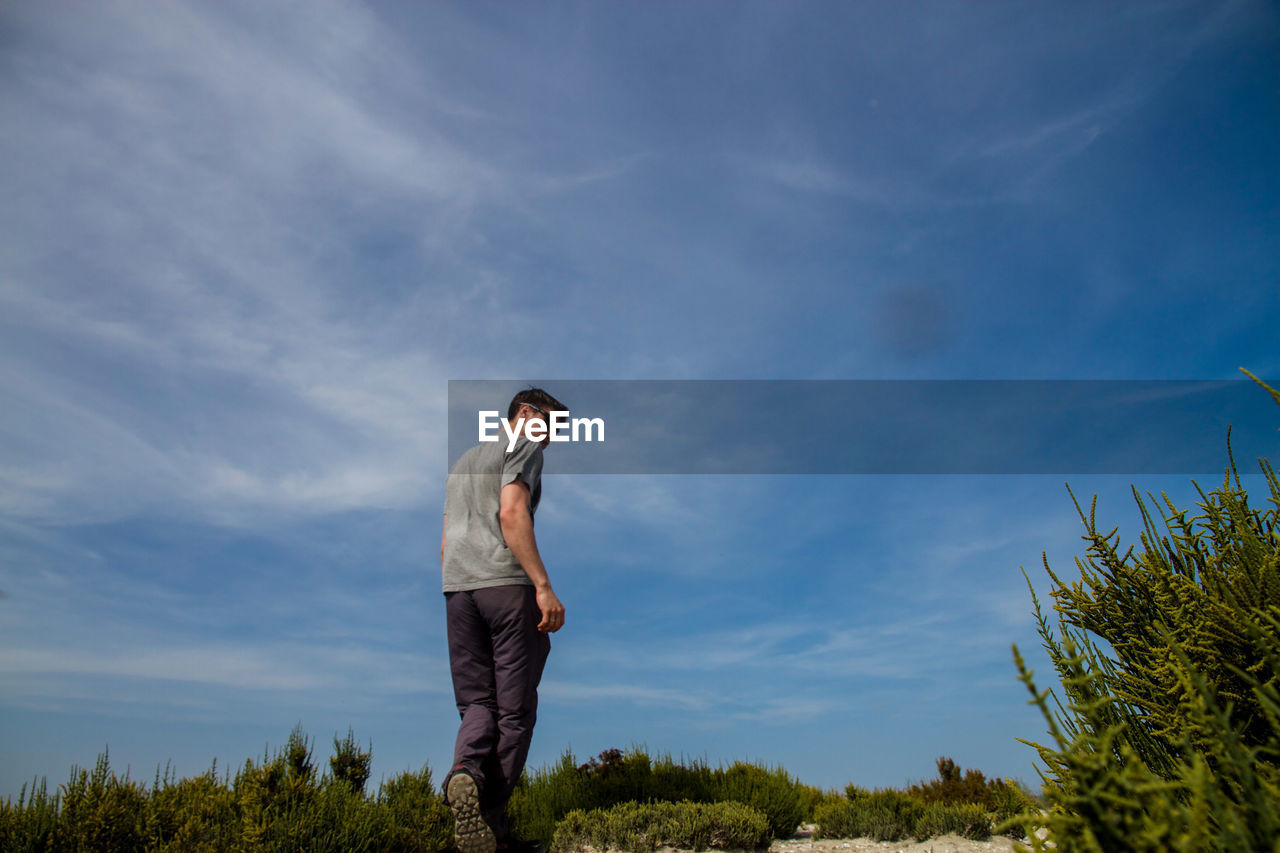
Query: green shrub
point(616, 777)
point(968, 820)
point(954, 786)
point(773, 792)
point(811, 798)
point(1002, 798)
point(101, 812)
point(421, 822)
point(29, 824)
point(1169, 662)
point(645, 827)
point(1012, 800)
point(283, 805)
point(897, 816)
point(349, 763)
point(672, 782)
point(331, 819)
point(196, 814)
point(277, 804)
point(879, 815)
point(546, 795)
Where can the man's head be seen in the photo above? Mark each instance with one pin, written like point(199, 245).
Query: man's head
point(537, 404)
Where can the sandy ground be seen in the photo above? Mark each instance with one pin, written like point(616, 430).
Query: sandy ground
point(803, 843)
point(944, 844)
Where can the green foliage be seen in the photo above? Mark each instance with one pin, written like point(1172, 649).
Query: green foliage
point(1169, 662)
point(878, 815)
point(956, 803)
point(672, 782)
point(895, 816)
point(277, 804)
point(772, 792)
point(1000, 797)
point(349, 763)
point(1012, 800)
point(645, 827)
point(545, 796)
point(1103, 797)
point(196, 814)
point(101, 811)
point(811, 798)
point(968, 820)
point(421, 822)
point(1201, 588)
point(29, 824)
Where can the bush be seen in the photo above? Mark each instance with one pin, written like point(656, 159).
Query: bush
point(1011, 800)
point(1002, 798)
point(954, 786)
point(421, 822)
point(896, 816)
point(645, 827)
point(332, 819)
point(968, 820)
point(1169, 663)
point(278, 804)
point(881, 816)
point(772, 792)
point(196, 814)
point(101, 812)
point(349, 763)
point(29, 824)
point(811, 798)
point(546, 795)
point(672, 782)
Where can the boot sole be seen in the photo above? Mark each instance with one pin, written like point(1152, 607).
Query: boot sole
point(470, 833)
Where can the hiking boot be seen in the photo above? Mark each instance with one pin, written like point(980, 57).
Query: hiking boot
point(470, 833)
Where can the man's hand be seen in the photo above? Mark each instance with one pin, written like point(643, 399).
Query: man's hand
point(552, 611)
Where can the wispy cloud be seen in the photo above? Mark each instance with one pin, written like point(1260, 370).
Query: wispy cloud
point(201, 350)
point(629, 694)
point(161, 677)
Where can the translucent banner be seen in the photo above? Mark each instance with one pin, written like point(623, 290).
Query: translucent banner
point(883, 426)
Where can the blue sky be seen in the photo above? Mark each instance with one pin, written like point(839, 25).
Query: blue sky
point(244, 247)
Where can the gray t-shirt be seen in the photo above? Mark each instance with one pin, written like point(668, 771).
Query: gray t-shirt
point(476, 555)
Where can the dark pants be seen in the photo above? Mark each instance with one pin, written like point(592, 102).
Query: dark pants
point(496, 655)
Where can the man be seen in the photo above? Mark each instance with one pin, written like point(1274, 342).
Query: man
point(500, 610)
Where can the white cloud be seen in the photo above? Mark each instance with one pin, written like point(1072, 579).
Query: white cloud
point(312, 668)
point(181, 340)
point(640, 695)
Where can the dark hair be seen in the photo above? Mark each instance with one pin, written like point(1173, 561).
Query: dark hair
point(535, 397)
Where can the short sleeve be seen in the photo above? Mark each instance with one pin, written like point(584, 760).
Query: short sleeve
point(524, 462)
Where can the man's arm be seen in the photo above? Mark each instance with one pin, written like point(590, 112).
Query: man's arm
point(444, 527)
point(517, 529)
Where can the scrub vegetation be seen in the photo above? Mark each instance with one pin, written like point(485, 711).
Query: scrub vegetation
point(963, 803)
point(629, 801)
point(1166, 735)
point(645, 827)
point(281, 803)
point(546, 796)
